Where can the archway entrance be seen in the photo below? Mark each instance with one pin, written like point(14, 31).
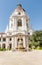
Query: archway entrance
point(10, 46)
point(3, 46)
point(20, 42)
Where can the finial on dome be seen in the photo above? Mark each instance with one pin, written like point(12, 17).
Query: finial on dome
point(19, 5)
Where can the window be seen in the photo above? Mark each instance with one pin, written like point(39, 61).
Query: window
point(19, 13)
point(4, 39)
point(10, 39)
point(27, 25)
point(29, 33)
point(18, 39)
point(19, 23)
point(0, 39)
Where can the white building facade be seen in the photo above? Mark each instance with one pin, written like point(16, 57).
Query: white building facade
point(16, 34)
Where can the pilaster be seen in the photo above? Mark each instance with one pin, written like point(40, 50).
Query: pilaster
point(12, 43)
point(7, 42)
point(24, 43)
point(15, 42)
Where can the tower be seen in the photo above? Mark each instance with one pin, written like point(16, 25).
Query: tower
point(18, 28)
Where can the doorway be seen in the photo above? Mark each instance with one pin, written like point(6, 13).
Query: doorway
point(10, 46)
point(20, 43)
point(3, 46)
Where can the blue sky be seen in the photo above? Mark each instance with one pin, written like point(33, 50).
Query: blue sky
point(32, 7)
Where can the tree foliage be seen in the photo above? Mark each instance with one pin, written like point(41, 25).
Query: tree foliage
point(36, 39)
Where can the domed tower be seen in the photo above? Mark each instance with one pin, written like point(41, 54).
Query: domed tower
point(18, 27)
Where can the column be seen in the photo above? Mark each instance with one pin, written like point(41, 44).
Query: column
point(24, 24)
point(15, 42)
point(24, 44)
point(1, 42)
point(7, 42)
point(27, 43)
point(15, 24)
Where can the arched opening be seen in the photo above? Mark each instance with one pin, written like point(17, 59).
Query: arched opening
point(20, 43)
point(10, 46)
point(3, 46)
point(19, 23)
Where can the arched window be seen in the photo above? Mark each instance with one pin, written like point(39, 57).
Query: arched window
point(19, 23)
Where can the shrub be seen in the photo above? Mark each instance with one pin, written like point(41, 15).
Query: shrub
point(2, 49)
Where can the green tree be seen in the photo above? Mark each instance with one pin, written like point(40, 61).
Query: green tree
point(36, 39)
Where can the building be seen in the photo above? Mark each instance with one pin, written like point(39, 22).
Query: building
point(16, 34)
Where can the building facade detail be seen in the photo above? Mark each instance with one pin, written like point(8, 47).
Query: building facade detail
point(16, 34)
